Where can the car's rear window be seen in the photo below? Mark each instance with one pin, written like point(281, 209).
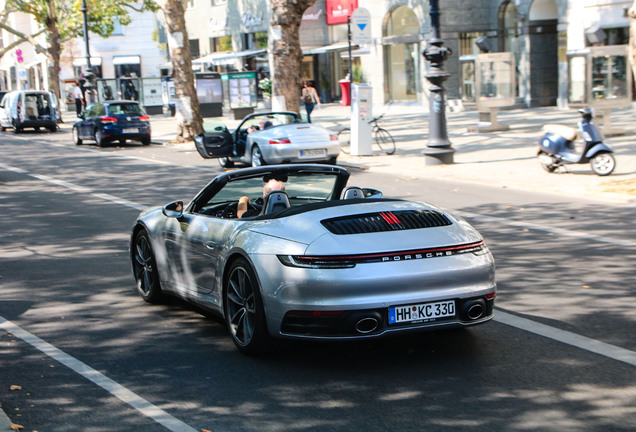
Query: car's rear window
point(124, 108)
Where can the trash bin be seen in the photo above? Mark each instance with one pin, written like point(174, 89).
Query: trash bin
point(345, 86)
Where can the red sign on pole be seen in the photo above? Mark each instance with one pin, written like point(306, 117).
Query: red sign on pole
point(339, 10)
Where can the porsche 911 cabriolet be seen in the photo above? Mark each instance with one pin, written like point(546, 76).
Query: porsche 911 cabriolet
point(313, 259)
point(270, 138)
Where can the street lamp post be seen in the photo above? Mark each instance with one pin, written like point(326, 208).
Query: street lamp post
point(439, 148)
point(89, 74)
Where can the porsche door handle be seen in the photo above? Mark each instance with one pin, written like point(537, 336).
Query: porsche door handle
point(211, 245)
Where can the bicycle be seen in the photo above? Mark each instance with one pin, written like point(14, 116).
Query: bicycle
point(382, 138)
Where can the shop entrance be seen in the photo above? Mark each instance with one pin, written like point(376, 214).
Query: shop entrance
point(401, 55)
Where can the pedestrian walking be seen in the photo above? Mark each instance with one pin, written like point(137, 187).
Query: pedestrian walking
point(310, 98)
point(79, 98)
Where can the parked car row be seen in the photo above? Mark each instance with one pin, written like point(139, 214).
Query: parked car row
point(260, 139)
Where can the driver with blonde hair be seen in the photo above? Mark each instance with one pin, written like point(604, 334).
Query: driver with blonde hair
point(244, 201)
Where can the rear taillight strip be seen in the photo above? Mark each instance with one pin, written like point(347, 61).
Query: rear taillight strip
point(348, 261)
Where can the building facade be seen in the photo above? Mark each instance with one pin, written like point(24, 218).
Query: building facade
point(228, 35)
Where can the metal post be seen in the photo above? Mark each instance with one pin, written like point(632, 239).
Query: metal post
point(439, 148)
point(89, 74)
point(350, 66)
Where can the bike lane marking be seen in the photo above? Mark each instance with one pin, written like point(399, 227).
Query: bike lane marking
point(566, 337)
point(552, 230)
point(119, 391)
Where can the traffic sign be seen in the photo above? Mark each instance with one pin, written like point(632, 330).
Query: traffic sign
point(361, 27)
point(18, 56)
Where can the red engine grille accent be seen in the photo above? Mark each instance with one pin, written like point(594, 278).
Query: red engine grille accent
point(386, 221)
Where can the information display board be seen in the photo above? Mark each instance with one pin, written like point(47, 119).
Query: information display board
point(241, 89)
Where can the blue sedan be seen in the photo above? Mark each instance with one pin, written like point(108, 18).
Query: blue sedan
point(109, 121)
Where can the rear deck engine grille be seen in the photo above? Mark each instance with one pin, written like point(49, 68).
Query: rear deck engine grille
point(386, 221)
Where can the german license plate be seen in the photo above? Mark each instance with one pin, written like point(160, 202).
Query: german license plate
point(421, 312)
point(131, 130)
point(313, 153)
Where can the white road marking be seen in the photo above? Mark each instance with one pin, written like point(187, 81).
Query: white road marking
point(548, 229)
point(122, 393)
point(568, 338)
point(77, 188)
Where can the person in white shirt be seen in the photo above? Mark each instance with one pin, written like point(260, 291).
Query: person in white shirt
point(79, 98)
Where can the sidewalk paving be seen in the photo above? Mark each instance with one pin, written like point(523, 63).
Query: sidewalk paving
point(504, 159)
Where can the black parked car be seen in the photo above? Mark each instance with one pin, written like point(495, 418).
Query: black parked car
point(109, 121)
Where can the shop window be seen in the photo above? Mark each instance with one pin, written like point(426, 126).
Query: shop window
point(402, 54)
point(221, 44)
point(508, 36)
point(127, 70)
point(467, 44)
point(194, 48)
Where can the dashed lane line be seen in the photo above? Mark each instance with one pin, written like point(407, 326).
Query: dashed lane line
point(77, 188)
point(568, 338)
point(122, 393)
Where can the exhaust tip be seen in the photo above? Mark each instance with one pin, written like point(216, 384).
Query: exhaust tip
point(367, 325)
point(475, 309)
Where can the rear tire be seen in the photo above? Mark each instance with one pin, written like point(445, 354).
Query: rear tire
point(549, 167)
point(99, 138)
point(603, 164)
point(385, 141)
point(76, 138)
point(145, 141)
point(53, 129)
point(257, 157)
point(226, 162)
point(243, 307)
point(344, 136)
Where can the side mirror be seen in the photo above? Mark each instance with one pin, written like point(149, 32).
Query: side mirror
point(371, 193)
point(173, 210)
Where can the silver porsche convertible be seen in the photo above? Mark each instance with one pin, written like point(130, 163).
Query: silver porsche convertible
point(270, 138)
point(313, 259)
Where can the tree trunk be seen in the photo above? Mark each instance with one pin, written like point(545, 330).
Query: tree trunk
point(55, 50)
point(189, 121)
point(285, 55)
point(632, 38)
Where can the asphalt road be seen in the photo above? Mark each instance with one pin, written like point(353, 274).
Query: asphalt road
point(88, 354)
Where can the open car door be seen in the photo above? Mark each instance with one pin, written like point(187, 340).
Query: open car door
point(214, 145)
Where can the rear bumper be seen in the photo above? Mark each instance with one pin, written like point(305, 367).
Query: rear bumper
point(285, 153)
point(374, 322)
point(37, 123)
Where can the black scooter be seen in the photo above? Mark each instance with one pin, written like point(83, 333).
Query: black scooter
point(556, 147)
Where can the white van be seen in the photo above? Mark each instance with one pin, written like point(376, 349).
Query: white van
point(28, 109)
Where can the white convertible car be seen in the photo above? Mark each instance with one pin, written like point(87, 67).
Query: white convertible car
point(319, 260)
point(280, 137)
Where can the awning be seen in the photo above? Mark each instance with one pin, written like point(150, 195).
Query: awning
point(135, 59)
point(226, 58)
point(356, 53)
point(33, 63)
point(81, 61)
point(327, 48)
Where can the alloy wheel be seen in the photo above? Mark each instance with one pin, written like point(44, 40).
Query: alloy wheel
point(241, 306)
